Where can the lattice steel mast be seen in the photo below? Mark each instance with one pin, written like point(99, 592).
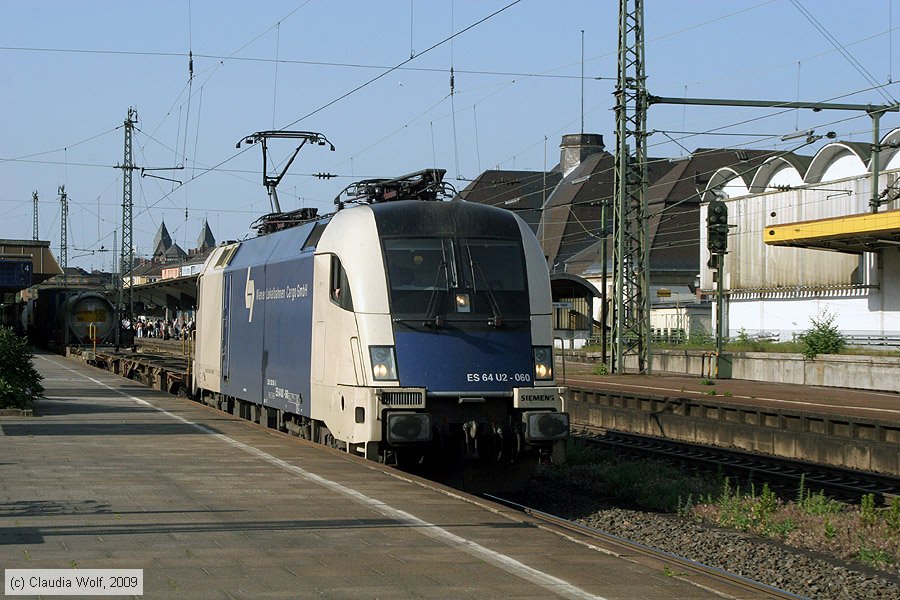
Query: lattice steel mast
point(126, 262)
point(34, 198)
point(631, 247)
point(63, 231)
point(64, 254)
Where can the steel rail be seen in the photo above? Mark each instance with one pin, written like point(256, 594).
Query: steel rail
point(835, 480)
point(683, 568)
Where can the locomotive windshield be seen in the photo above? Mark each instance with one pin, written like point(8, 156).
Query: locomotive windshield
point(456, 280)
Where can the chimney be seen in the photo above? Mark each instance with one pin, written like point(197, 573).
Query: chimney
point(575, 147)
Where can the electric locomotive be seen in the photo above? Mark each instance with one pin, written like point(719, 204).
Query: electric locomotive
point(399, 327)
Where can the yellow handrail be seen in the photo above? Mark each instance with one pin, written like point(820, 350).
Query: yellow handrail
point(703, 364)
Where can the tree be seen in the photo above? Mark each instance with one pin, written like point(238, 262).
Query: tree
point(20, 383)
point(823, 337)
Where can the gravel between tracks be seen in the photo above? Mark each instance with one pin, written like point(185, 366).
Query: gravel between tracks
point(804, 573)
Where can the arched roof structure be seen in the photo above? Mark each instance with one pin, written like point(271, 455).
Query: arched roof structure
point(838, 160)
point(783, 170)
point(731, 181)
point(567, 283)
point(890, 157)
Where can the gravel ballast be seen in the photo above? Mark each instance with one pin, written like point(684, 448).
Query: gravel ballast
point(757, 559)
point(804, 573)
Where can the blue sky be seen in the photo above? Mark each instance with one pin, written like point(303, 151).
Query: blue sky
point(72, 69)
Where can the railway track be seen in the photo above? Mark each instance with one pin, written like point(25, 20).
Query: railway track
point(706, 576)
point(837, 482)
point(785, 474)
point(844, 483)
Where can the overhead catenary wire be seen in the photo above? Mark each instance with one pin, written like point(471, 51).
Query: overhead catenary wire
point(195, 164)
point(394, 68)
point(842, 50)
point(275, 82)
point(332, 102)
point(739, 146)
point(288, 61)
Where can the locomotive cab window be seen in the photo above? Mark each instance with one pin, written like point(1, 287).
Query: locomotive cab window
point(418, 264)
point(340, 286)
point(494, 263)
point(457, 279)
point(494, 270)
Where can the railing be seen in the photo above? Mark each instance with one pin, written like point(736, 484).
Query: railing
point(891, 341)
point(562, 351)
point(706, 365)
point(673, 335)
point(187, 350)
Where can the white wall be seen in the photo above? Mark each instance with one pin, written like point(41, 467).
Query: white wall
point(786, 175)
point(779, 290)
point(792, 315)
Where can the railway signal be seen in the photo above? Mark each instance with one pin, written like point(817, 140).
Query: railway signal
point(717, 227)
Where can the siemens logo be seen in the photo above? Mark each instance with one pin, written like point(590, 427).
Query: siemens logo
point(537, 397)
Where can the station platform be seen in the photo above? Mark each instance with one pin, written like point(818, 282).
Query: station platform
point(851, 403)
point(111, 474)
point(840, 427)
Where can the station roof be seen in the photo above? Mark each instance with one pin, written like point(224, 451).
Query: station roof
point(853, 234)
point(176, 292)
point(44, 264)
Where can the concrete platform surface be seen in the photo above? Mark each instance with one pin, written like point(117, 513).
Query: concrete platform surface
point(109, 474)
point(861, 404)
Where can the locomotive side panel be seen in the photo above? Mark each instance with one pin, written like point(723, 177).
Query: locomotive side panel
point(350, 313)
point(262, 299)
point(538, 283)
point(208, 349)
point(242, 343)
point(287, 304)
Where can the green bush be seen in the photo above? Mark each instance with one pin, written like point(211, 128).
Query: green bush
point(601, 369)
point(867, 514)
point(893, 514)
point(823, 337)
point(19, 382)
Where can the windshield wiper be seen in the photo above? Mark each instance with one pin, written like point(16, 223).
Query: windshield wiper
point(434, 320)
point(497, 318)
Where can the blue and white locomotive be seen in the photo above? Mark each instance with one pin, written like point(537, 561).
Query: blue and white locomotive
point(394, 328)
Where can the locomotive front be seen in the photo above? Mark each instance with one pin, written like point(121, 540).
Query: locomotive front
point(472, 354)
point(394, 329)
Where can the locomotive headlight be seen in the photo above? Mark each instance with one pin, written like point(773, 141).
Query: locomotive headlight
point(463, 303)
point(543, 362)
point(384, 364)
point(545, 426)
point(408, 427)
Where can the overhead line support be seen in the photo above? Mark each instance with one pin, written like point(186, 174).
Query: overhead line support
point(631, 247)
point(875, 112)
point(34, 198)
point(126, 261)
point(64, 255)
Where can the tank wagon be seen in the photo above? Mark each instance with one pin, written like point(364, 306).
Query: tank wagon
point(88, 316)
point(394, 328)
